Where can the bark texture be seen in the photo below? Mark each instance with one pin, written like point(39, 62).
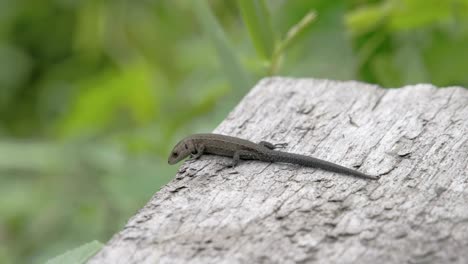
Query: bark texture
point(415, 137)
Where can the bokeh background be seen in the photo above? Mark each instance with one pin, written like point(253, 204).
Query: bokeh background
point(93, 93)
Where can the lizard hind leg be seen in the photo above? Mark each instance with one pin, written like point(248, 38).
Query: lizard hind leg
point(272, 146)
point(267, 144)
point(237, 156)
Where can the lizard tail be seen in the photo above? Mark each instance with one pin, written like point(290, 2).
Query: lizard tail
point(279, 156)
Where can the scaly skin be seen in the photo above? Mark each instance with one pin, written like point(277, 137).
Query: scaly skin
point(237, 148)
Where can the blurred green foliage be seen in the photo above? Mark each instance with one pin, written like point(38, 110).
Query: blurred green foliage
point(78, 255)
point(94, 93)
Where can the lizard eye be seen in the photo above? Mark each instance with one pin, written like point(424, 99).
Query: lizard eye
point(174, 154)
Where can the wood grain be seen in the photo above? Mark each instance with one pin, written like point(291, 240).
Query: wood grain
point(415, 137)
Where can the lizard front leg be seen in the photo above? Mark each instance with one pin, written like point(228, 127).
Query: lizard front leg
point(197, 152)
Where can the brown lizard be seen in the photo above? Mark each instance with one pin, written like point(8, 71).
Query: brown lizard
point(237, 148)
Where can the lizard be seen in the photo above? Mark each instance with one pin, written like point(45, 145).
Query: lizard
point(198, 144)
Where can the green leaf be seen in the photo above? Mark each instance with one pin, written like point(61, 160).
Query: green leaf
point(445, 62)
point(411, 14)
point(111, 95)
point(77, 255)
point(257, 18)
point(90, 28)
point(237, 76)
point(295, 31)
point(399, 15)
point(385, 70)
point(293, 34)
point(365, 19)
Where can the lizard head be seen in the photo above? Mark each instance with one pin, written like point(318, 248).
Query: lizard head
point(181, 150)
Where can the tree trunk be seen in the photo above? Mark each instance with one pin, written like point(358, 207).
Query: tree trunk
point(415, 138)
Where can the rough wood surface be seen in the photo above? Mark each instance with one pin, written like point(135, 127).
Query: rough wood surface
point(415, 137)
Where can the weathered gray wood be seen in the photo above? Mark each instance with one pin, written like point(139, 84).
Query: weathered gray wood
point(415, 137)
